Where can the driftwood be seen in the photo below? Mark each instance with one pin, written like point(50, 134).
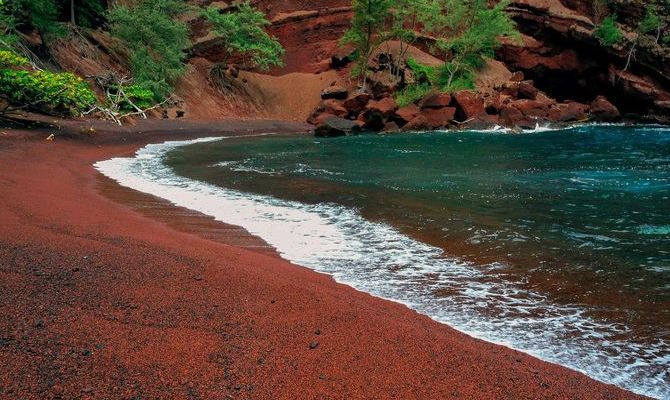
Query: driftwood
point(115, 96)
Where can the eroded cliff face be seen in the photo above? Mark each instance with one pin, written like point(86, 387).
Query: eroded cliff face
point(561, 55)
point(558, 53)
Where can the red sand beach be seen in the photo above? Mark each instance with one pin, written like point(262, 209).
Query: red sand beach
point(98, 300)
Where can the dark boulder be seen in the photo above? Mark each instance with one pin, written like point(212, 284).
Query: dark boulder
point(603, 110)
point(334, 126)
point(343, 56)
point(377, 113)
point(334, 92)
point(356, 103)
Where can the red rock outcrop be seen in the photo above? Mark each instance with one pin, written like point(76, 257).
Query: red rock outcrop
point(560, 53)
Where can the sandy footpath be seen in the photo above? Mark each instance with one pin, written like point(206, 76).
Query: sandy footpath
point(97, 300)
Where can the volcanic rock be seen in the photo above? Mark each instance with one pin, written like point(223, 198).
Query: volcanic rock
point(527, 90)
point(567, 112)
point(469, 103)
point(532, 108)
point(334, 92)
point(603, 110)
point(335, 107)
point(436, 100)
point(334, 126)
point(385, 106)
point(438, 117)
point(418, 123)
point(356, 103)
point(511, 116)
point(405, 114)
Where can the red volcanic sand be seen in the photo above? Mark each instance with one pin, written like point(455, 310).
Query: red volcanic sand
point(99, 301)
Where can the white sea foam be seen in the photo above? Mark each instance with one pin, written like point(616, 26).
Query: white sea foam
point(378, 259)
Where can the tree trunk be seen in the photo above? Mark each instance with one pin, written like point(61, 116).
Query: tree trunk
point(72, 18)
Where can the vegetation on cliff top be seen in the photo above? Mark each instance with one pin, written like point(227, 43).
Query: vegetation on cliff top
point(464, 33)
point(152, 34)
point(155, 40)
point(245, 36)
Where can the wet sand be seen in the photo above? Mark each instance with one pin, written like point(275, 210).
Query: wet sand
point(100, 299)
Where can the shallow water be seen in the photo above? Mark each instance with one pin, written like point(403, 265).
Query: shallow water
point(556, 243)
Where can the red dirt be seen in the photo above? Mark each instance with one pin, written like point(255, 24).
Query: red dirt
point(99, 301)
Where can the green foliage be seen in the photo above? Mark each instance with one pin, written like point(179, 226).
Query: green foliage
point(651, 21)
point(365, 34)
point(141, 97)
point(608, 33)
point(88, 13)
point(7, 24)
point(422, 73)
point(155, 40)
point(63, 92)
point(10, 59)
point(452, 77)
point(411, 94)
point(245, 35)
point(40, 14)
point(467, 34)
point(470, 32)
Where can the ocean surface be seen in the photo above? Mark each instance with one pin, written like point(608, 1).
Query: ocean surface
point(553, 242)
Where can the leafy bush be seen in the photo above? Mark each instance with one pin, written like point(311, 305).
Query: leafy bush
point(651, 21)
point(63, 92)
point(10, 59)
point(40, 14)
point(411, 94)
point(155, 40)
point(143, 98)
point(608, 33)
point(245, 35)
point(451, 77)
point(421, 72)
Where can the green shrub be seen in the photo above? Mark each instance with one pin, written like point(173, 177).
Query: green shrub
point(608, 33)
point(63, 92)
point(411, 94)
point(245, 35)
point(10, 59)
point(155, 40)
point(421, 72)
point(142, 97)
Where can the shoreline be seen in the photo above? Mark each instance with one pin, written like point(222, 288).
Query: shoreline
point(213, 320)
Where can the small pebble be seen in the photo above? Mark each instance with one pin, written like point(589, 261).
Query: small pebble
point(313, 345)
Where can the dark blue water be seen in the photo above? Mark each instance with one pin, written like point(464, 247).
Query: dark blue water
point(557, 242)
